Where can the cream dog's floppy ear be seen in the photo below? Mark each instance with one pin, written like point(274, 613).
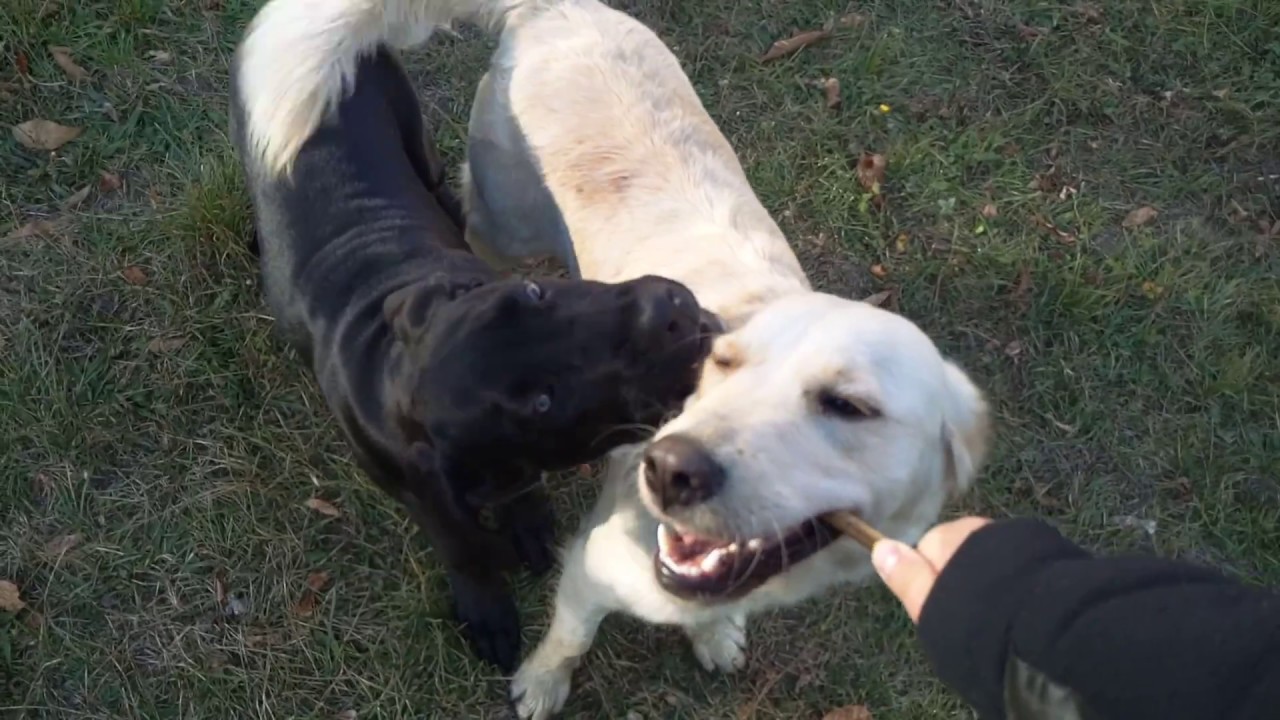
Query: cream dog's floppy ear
point(966, 429)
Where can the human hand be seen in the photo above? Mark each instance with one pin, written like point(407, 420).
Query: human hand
point(910, 572)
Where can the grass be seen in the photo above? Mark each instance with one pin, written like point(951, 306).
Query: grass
point(159, 447)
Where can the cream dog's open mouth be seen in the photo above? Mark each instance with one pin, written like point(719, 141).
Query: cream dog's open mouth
point(700, 568)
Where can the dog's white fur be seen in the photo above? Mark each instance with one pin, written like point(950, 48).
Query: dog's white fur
point(586, 131)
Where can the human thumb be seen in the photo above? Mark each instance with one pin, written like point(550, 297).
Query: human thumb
point(909, 576)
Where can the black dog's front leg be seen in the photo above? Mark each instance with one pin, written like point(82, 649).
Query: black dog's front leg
point(530, 523)
point(473, 559)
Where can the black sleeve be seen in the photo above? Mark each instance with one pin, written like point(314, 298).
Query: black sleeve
point(1126, 637)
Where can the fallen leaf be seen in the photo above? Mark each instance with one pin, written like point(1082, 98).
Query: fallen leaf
point(1065, 237)
point(60, 546)
point(35, 228)
point(901, 242)
point(879, 271)
point(166, 344)
point(10, 598)
point(871, 171)
point(852, 20)
point(1151, 289)
point(34, 620)
point(160, 57)
point(345, 715)
point(990, 210)
point(134, 275)
point(831, 87)
point(220, 588)
point(324, 507)
point(1022, 286)
point(1139, 216)
point(849, 712)
point(41, 134)
point(109, 182)
point(317, 580)
point(1029, 33)
point(306, 604)
point(796, 42)
point(62, 56)
point(23, 64)
point(42, 486)
point(878, 299)
point(77, 199)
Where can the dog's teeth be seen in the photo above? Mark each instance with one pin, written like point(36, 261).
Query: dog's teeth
point(712, 559)
point(754, 544)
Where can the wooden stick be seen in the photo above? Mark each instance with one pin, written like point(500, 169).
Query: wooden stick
point(855, 527)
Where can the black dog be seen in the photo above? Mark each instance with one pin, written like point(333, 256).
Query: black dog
point(454, 386)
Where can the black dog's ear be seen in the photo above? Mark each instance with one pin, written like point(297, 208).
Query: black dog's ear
point(710, 323)
point(405, 310)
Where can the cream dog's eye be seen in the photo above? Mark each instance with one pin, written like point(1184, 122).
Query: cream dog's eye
point(845, 408)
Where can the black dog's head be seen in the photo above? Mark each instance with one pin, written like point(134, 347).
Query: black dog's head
point(540, 374)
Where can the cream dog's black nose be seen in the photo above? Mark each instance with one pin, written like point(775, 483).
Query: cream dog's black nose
point(681, 472)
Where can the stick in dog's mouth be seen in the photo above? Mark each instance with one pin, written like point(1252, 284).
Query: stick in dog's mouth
point(854, 527)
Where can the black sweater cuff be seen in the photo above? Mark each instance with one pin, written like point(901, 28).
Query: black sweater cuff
point(966, 622)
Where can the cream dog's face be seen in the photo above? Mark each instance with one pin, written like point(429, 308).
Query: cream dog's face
point(817, 404)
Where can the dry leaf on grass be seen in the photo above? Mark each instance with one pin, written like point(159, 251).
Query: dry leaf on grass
point(831, 88)
point(41, 134)
point(879, 299)
point(77, 199)
point(35, 228)
point(799, 41)
point(990, 210)
point(852, 20)
point(62, 56)
point(871, 172)
point(62, 545)
point(1029, 33)
point(879, 271)
point(22, 63)
point(1152, 290)
point(220, 588)
point(109, 182)
point(166, 344)
point(306, 604)
point(849, 712)
point(901, 243)
point(324, 507)
point(1013, 349)
point(160, 57)
point(317, 580)
point(10, 598)
point(134, 275)
point(1139, 216)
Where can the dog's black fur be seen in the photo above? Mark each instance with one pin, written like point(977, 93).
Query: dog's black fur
point(454, 386)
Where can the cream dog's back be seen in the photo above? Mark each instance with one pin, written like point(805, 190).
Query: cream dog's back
point(638, 180)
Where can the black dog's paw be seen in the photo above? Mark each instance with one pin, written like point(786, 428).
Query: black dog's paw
point(254, 243)
point(490, 622)
point(533, 534)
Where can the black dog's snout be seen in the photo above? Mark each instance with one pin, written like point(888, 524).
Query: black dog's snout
point(667, 312)
point(681, 472)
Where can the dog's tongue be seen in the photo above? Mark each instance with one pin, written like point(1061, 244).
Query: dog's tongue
point(683, 547)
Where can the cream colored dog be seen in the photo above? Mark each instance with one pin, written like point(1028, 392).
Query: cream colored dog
point(585, 130)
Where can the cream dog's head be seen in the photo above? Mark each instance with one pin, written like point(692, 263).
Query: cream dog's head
point(816, 404)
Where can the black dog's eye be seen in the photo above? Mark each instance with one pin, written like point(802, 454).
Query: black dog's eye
point(542, 403)
point(533, 290)
point(844, 408)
